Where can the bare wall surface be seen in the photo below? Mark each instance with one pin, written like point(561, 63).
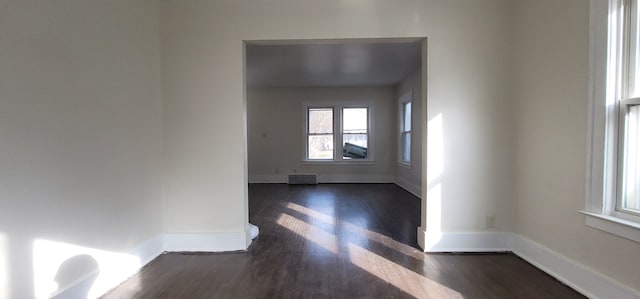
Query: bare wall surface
point(410, 177)
point(551, 85)
point(80, 139)
point(275, 118)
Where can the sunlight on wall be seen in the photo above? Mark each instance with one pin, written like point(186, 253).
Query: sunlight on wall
point(4, 267)
point(434, 217)
point(398, 275)
point(435, 148)
point(435, 168)
point(56, 266)
point(309, 232)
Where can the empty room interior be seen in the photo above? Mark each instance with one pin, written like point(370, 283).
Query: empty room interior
point(403, 149)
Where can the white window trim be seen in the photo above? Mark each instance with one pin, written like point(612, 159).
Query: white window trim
point(337, 133)
point(600, 209)
point(407, 97)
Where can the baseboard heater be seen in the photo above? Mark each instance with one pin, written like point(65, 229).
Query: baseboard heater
point(302, 179)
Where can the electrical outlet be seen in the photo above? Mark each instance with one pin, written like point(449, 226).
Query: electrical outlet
point(277, 171)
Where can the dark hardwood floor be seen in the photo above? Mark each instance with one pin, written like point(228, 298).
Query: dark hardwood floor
point(338, 241)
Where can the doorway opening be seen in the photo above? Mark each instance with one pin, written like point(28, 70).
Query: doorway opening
point(335, 111)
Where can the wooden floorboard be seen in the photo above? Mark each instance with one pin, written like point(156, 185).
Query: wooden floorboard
point(338, 241)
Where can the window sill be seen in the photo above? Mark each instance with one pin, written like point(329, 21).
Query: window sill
point(344, 162)
point(614, 225)
point(405, 164)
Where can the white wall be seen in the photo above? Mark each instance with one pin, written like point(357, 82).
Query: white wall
point(275, 118)
point(469, 47)
point(81, 121)
point(551, 85)
point(410, 176)
point(80, 138)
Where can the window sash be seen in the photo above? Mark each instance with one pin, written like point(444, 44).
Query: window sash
point(626, 160)
point(357, 132)
point(626, 89)
point(310, 135)
point(406, 146)
point(405, 131)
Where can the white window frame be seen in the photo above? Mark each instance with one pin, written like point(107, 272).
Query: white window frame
point(402, 100)
point(606, 83)
point(308, 134)
point(338, 132)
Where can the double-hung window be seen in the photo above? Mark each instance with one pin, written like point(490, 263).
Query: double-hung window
point(355, 133)
point(628, 112)
point(320, 133)
point(338, 133)
point(613, 193)
point(405, 129)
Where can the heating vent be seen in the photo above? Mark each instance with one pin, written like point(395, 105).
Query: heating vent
point(303, 179)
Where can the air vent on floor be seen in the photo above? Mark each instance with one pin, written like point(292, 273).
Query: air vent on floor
point(303, 179)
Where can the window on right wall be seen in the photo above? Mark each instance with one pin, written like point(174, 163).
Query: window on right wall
point(405, 129)
point(613, 191)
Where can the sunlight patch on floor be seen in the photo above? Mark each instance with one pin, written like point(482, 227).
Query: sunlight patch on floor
point(381, 239)
point(357, 229)
point(402, 278)
point(312, 233)
point(312, 213)
point(384, 269)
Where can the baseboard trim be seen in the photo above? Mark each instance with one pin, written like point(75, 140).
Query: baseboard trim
point(326, 179)
point(213, 242)
point(149, 250)
point(355, 178)
point(414, 189)
point(144, 253)
point(268, 179)
point(466, 242)
point(579, 277)
point(576, 275)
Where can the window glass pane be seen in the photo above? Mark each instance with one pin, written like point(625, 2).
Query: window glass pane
point(406, 147)
point(634, 55)
point(631, 193)
point(354, 120)
point(320, 147)
point(357, 139)
point(406, 114)
point(354, 146)
point(320, 120)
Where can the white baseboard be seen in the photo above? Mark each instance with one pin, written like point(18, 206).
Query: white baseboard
point(355, 178)
point(213, 242)
point(326, 178)
point(579, 277)
point(149, 250)
point(144, 253)
point(466, 242)
point(267, 179)
point(410, 187)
